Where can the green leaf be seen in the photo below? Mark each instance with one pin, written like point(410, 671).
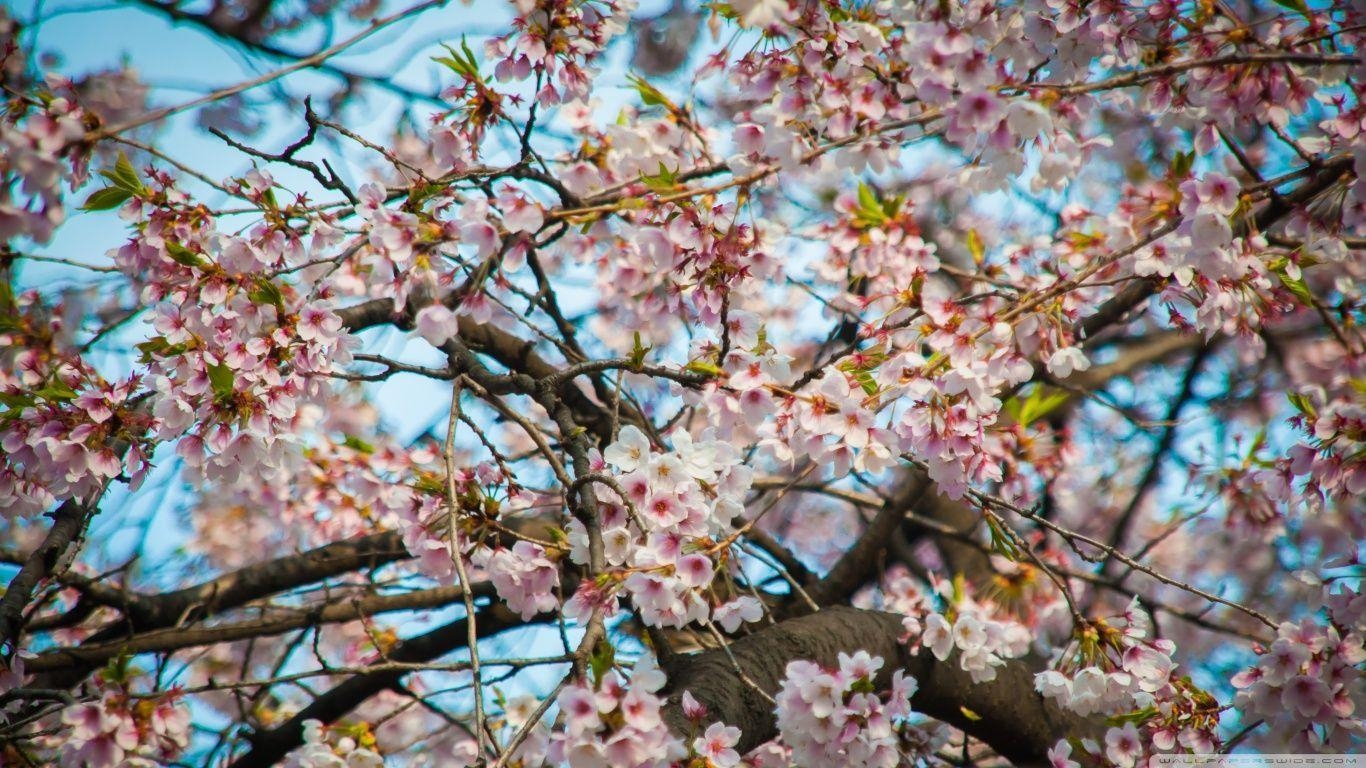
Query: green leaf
point(705, 368)
point(1001, 542)
point(638, 352)
point(266, 292)
point(56, 390)
point(959, 588)
point(650, 96)
point(726, 10)
point(461, 62)
point(16, 402)
point(182, 255)
point(1302, 403)
point(604, 655)
point(867, 199)
point(1040, 402)
point(892, 205)
point(120, 668)
point(663, 181)
point(357, 444)
point(124, 176)
point(1137, 717)
point(1181, 164)
point(872, 211)
point(976, 247)
point(106, 199)
point(420, 192)
point(469, 55)
point(1297, 286)
point(1298, 6)
point(158, 347)
point(221, 379)
point(866, 382)
point(862, 372)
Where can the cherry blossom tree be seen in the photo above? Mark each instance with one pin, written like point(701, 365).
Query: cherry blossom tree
point(845, 384)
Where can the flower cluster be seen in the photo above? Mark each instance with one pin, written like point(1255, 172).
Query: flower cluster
point(344, 752)
point(660, 537)
point(35, 159)
point(525, 576)
point(336, 488)
point(1334, 459)
point(118, 729)
point(984, 635)
point(236, 353)
point(835, 717)
point(58, 440)
point(1307, 685)
point(1114, 667)
point(670, 264)
point(615, 722)
point(558, 42)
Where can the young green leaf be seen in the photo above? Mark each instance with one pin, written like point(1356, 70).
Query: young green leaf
point(266, 292)
point(182, 255)
point(124, 176)
point(221, 379)
point(662, 181)
point(604, 655)
point(650, 96)
point(106, 199)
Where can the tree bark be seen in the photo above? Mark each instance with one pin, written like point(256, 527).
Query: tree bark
point(1006, 713)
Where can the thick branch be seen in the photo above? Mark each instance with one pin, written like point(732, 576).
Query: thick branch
point(260, 580)
point(512, 352)
point(1010, 716)
point(861, 560)
point(145, 613)
point(269, 747)
point(276, 623)
point(67, 523)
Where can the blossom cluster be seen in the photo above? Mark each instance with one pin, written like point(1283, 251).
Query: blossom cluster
point(1334, 459)
point(835, 717)
point(615, 722)
point(983, 634)
point(559, 42)
point(669, 264)
point(343, 752)
point(939, 308)
point(1308, 683)
point(525, 577)
point(63, 419)
point(119, 729)
point(660, 537)
point(236, 353)
point(1114, 667)
point(347, 482)
point(36, 158)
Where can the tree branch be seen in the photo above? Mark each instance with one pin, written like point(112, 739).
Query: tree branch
point(860, 562)
point(269, 747)
point(176, 638)
point(1007, 713)
point(68, 521)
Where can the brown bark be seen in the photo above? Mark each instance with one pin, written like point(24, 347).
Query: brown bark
point(1007, 713)
point(277, 622)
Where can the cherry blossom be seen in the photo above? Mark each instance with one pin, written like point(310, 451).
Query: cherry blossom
point(501, 394)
